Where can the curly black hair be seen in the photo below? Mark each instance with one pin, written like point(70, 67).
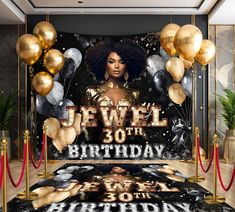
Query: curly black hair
point(132, 54)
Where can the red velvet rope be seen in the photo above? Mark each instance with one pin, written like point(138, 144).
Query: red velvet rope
point(22, 171)
point(1, 171)
point(42, 153)
point(200, 160)
point(219, 173)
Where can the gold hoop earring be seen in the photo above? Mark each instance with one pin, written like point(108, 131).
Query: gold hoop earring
point(106, 75)
point(126, 75)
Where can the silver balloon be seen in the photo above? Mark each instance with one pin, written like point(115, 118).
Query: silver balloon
point(60, 109)
point(56, 94)
point(164, 55)
point(75, 54)
point(186, 83)
point(154, 64)
point(43, 106)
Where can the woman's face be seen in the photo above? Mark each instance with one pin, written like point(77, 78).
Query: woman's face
point(115, 65)
point(118, 170)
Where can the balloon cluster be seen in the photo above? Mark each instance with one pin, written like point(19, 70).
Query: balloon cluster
point(63, 136)
point(51, 98)
point(180, 47)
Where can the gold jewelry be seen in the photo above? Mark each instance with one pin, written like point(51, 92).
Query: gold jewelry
point(106, 75)
point(126, 75)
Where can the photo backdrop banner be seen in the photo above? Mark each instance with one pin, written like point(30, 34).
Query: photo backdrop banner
point(151, 120)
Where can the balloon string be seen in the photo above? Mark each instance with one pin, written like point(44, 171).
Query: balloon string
point(69, 84)
point(186, 110)
point(189, 110)
point(183, 113)
point(178, 111)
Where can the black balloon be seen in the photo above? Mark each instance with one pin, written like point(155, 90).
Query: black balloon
point(162, 80)
point(60, 109)
point(186, 83)
point(43, 106)
point(68, 68)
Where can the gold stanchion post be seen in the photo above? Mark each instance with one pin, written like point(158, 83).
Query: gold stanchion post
point(196, 178)
point(215, 199)
point(45, 174)
point(27, 195)
point(4, 179)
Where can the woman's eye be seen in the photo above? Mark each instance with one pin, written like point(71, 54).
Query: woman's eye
point(110, 61)
point(122, 62)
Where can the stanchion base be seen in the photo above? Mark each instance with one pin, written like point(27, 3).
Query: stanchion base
point(212, 200)
point(194, 180)
point(31, 196)
point(48, 175)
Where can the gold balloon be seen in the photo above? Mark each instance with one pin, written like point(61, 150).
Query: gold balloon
point(77, 123)
point(167, 36)
point(188, 41)
point(28, 48)
point(46, 33)
point(175, 67)
point(59, 144)
point(53, 127)
point(206, 53)
point(43, 83)
point(67, 135)
point(176, 93)
point(187, 63)
point(53, 61)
